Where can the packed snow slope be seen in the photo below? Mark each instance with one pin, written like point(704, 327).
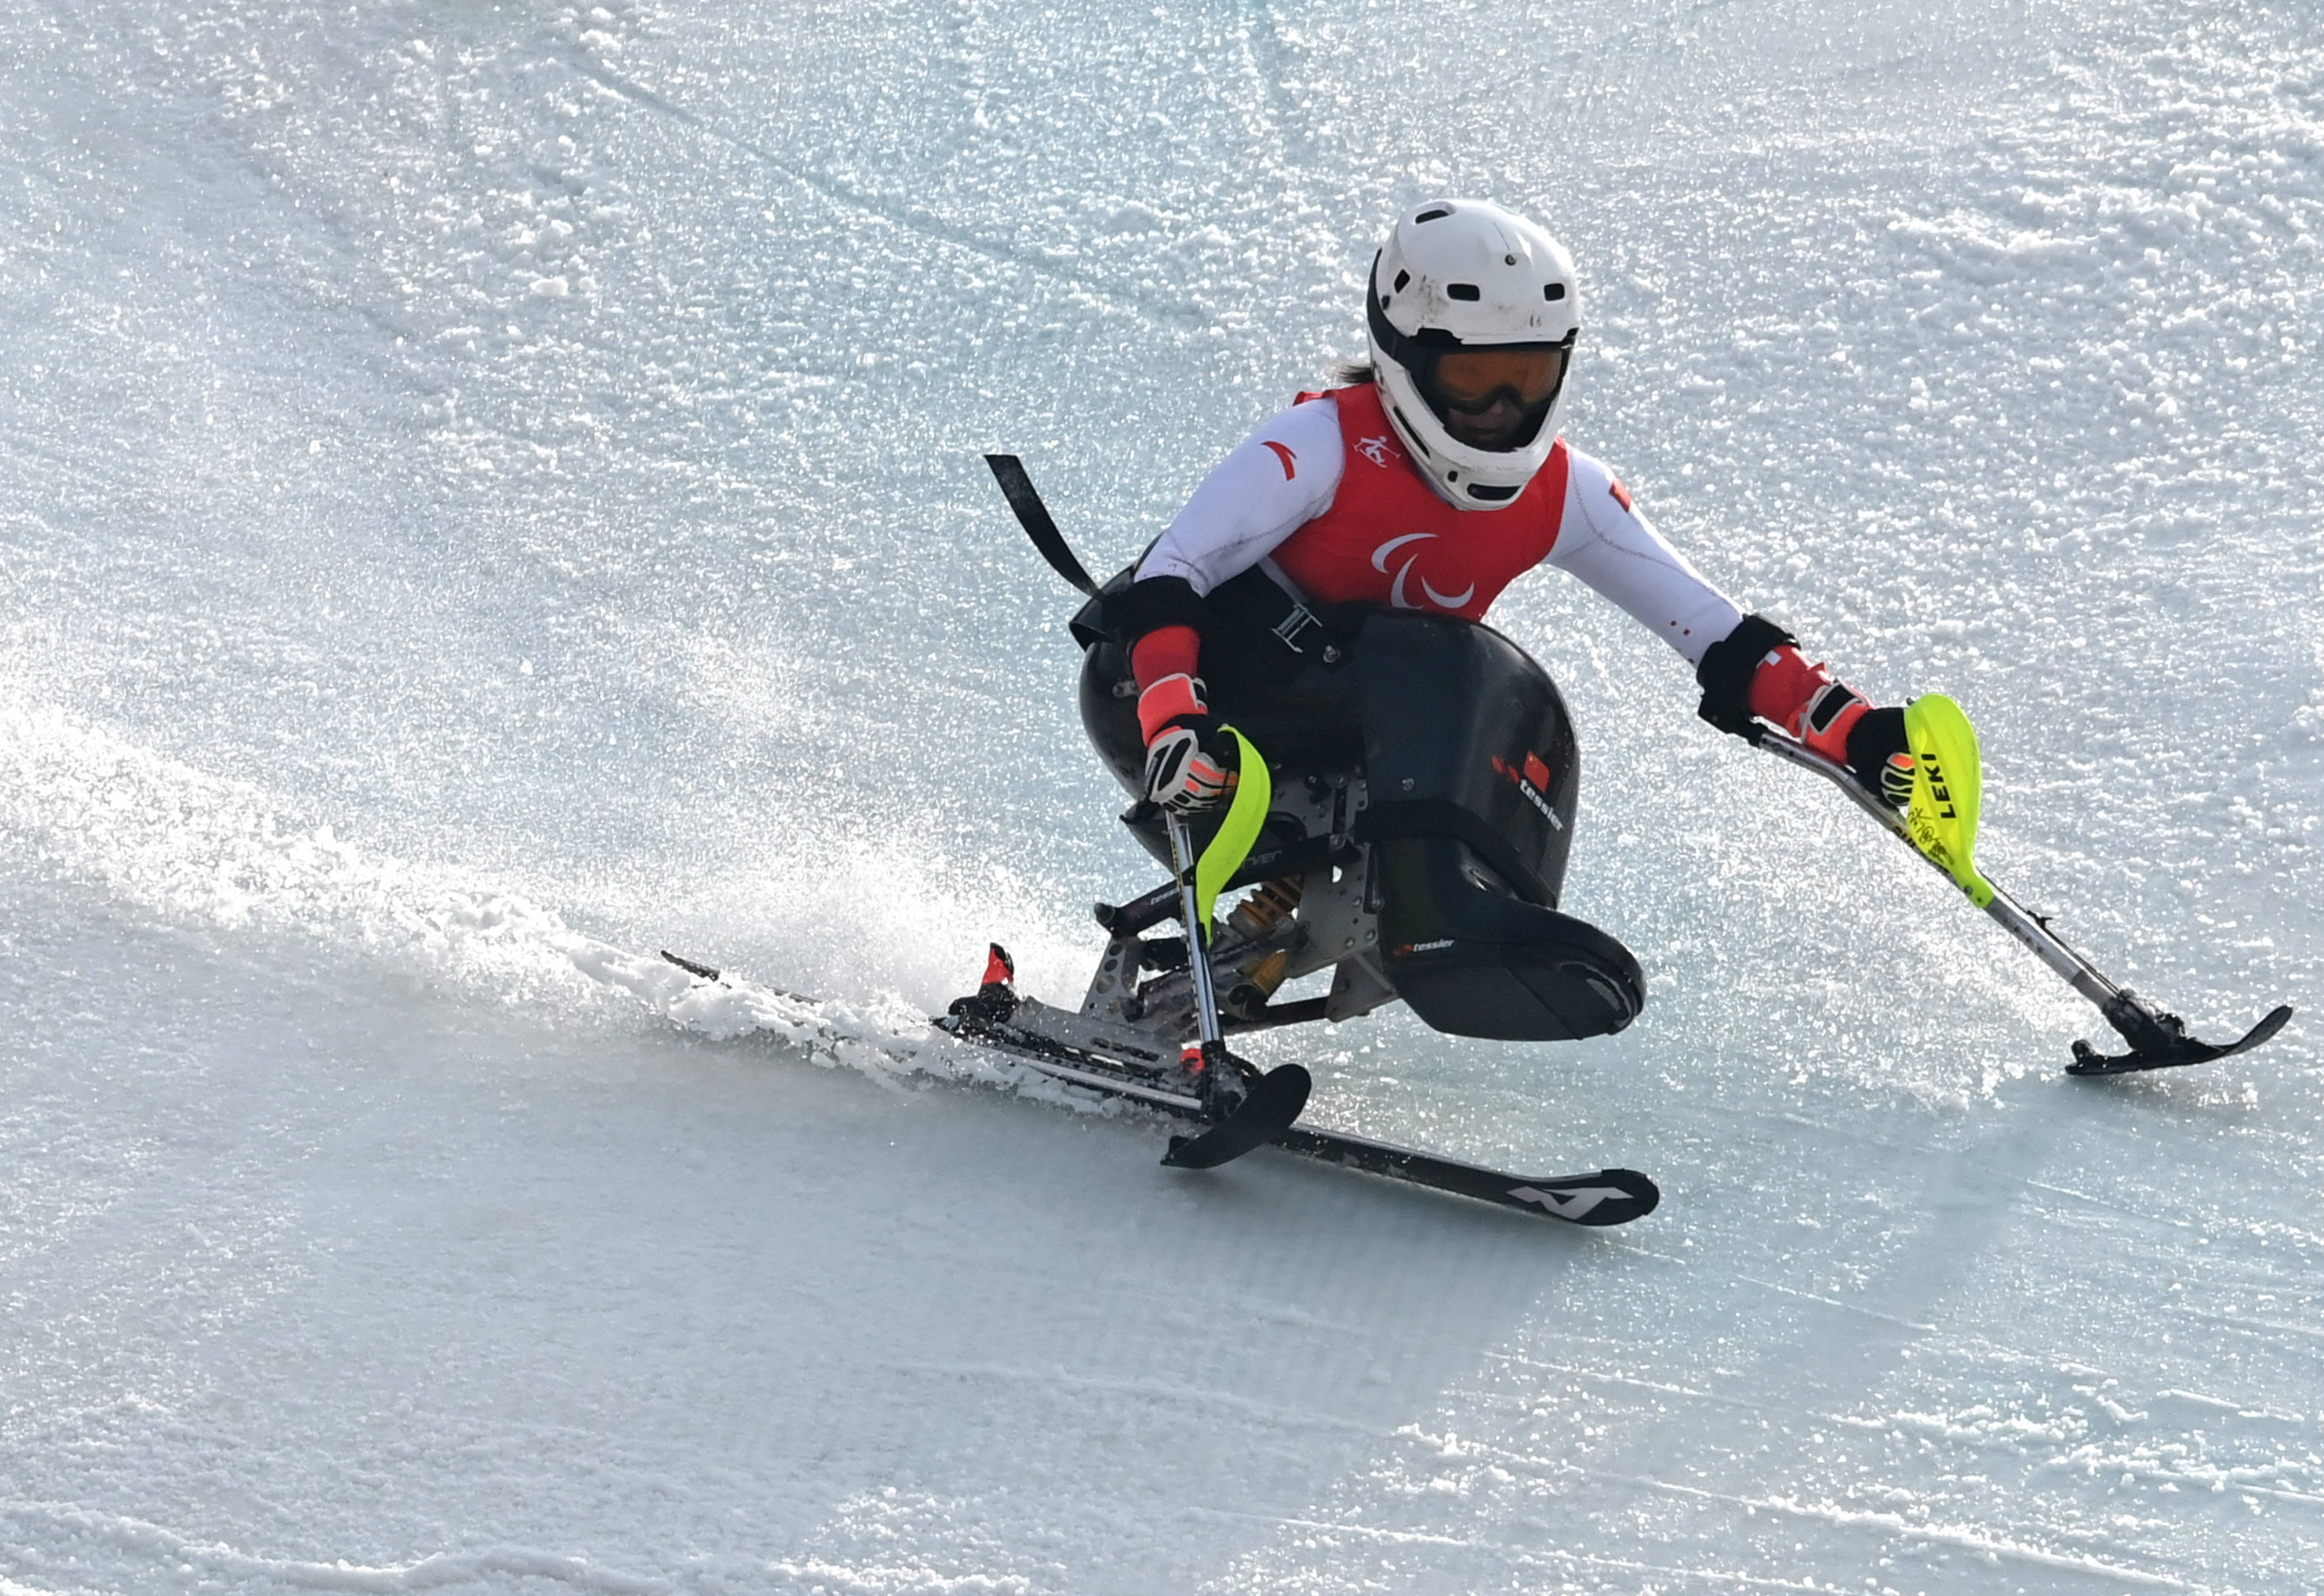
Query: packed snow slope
point(487, 490)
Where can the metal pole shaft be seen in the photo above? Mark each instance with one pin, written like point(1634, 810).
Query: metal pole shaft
point(2078, 972)
point(1198, 938)
point(2013, 916)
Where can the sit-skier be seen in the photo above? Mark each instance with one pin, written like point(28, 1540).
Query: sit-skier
point(1428, 482)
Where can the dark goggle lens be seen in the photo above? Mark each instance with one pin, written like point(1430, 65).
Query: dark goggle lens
point(1472, 379)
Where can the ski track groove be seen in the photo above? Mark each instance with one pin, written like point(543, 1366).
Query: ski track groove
point(904, 218)
point(1156, 1390)
point(1890, 1525)
point(1515, 1556)
point(2252, 1327)
point(428, 1574)
point(1896, 1525)
point(2059, 1453)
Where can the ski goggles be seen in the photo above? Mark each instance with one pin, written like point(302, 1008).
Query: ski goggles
point(1472, 381)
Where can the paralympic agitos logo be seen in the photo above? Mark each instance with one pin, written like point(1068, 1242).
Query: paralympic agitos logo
point(1395, 594)
point(1533, 780)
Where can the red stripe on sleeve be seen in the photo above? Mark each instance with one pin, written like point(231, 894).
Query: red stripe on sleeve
point(1783, 686)
point(1167, 650)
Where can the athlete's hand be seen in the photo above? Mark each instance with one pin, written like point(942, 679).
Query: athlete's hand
point(1841, 725)
point(1880, 758)
point(1185, 770)
point(1190, 762)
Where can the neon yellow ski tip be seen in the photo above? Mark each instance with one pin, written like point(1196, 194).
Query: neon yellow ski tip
point(1948, 790)
point(1254, 795)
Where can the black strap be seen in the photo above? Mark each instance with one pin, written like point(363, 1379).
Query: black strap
point(1151, 604)
point(1726, 672)
point(1256, 603)
point(1033, 515)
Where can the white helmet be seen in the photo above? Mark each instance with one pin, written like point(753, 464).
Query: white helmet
point(1463, 275)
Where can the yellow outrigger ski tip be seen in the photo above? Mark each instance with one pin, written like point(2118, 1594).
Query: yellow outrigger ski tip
point(1948, 790)
point(1254, 794)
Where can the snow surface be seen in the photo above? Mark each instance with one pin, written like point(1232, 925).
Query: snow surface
point(488, 491)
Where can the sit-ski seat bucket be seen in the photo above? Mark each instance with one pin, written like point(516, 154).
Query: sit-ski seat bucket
point(1470, 773)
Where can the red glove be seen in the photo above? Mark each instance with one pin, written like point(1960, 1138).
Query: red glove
point(1835, 720)
point(1190, 764)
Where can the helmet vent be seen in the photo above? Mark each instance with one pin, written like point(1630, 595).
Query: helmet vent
point(1401, 279)
point(1430, 215)
point(1491, 495)
point(1461, 291)
point(1552, 290)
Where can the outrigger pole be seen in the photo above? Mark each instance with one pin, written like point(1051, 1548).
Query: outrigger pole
point(2158, 1038)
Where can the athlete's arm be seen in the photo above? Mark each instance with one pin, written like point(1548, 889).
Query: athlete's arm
point(1275, 481)
point(1750, 668)
point(1610, 545)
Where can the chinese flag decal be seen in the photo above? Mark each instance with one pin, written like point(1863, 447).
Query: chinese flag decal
point(1621, 495)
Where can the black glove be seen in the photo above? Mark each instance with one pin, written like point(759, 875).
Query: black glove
point(1879, 757)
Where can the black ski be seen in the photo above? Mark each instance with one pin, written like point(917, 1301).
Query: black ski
point(1607, 1196)
point(1263, 1115)
point(1602, 1197)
